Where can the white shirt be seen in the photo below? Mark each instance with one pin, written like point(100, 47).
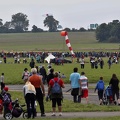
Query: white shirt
point(84, 82)
point(2, 78)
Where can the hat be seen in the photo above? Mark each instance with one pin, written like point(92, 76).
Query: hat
point(6, 88)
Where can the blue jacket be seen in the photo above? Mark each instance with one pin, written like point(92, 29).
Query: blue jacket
point(100, 85)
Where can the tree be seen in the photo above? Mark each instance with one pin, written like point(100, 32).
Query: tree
point(8, 25)
point(36, 29)
point(67, 29)
point(1, 24)
point(109, 32)
point(102, 33)
point(20, 22)
point(82, 29)
point(51, 23)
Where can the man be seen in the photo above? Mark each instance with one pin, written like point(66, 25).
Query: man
point(50, 75)
point(55, 89)
point(36, 81)
point(32, 63)
point(75, 85)
point(43, 73)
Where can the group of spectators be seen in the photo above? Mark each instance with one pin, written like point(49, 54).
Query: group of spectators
point(79, 85)
point(96, 62)
point(59, 54)
point(34, 88)
point(36, 78)
point(110, 92)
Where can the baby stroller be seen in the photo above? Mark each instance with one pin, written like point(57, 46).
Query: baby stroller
point(108, 98)
point(14, 109)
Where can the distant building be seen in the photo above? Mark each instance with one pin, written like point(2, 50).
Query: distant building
point(93, 26)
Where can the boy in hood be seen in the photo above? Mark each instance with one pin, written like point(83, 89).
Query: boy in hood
point(100, 86)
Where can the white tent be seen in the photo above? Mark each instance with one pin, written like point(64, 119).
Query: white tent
point(50, 56)
point(0, 61)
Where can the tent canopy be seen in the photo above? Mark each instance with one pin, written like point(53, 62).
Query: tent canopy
point(50, 56)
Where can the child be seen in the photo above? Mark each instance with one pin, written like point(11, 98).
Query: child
point(100, 86)
point(25, 74)
point(84, 86)
point(2, 81)
point(6, 99)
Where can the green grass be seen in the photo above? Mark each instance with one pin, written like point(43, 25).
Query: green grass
point(54, 42)
point(13, 72)
point(80, 41)
point(68, 105)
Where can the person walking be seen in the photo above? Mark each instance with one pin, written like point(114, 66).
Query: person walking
point(29, 95)
point(5, 59)
point(25, 74)
point(2, 81)
point(43, 73)
point(114, 83)
point(75, 85)
point(82, 63)
point(32, 63)
point(55, 89)
point(109, 62)
point(50, 75)
point(84, 86)
point(36, 80)
point(100, 87)
point(101, 63)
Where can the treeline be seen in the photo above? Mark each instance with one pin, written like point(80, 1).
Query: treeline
point(19, 24)
point(109, 32)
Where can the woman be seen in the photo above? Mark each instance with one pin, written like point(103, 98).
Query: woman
point(29, 95)
point(114, 83)
point(56, 94)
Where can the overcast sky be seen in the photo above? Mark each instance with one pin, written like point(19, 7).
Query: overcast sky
point(69, 13)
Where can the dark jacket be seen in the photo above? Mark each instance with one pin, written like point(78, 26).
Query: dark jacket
point(114, 83)
point(49, 77)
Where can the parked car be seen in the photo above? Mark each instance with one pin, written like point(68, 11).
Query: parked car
point(59, 61)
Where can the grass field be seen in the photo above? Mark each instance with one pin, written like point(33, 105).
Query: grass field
point(54, 42)
point(13, 72)
point(80, 41)
point(68, 105)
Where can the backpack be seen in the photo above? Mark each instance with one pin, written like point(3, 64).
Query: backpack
point(6, 98)
point(56, 89)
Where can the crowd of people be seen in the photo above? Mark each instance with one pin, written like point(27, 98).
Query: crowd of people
point(40, 56)
point(58, 54)
point(35, 80)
